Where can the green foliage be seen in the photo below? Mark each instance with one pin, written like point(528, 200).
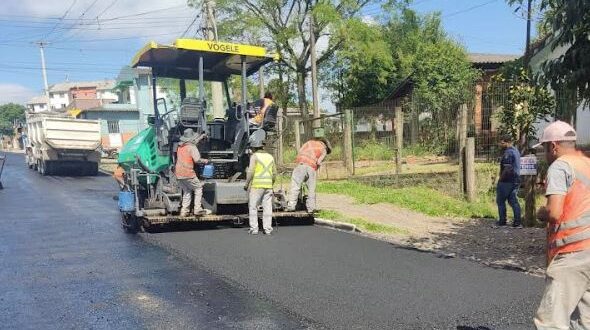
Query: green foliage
point(438, 66)
point(525, 103)
point(424, 200)
point(570, 21)
point(370, 150)
point(360, 73)
point(376, 57)
point(8, 114)
point(283, 25)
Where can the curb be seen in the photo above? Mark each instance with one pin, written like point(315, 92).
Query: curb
point(337, 225)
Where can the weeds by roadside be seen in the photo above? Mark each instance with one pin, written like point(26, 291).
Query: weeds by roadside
point(425, 200)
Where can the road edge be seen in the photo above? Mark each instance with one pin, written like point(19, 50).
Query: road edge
point(337, 225)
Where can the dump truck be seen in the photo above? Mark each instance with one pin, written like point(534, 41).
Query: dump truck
point(57, 143)
point(151, 196)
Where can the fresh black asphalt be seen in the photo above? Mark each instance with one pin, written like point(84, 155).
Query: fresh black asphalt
point(66, 264)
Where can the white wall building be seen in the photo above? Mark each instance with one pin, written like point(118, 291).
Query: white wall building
point(59, 94)
point(38, 104)
point(541, 53)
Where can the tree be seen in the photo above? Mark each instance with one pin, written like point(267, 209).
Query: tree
point(9, 113)
point(283, 25)
point(570, 21)
point(361, 71)
point(438, 65)
point(524, 105)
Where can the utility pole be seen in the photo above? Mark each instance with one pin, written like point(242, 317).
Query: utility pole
point(42, 44)
point(261, 81)
point(527, 51)
point(314, 75)
point(216, 87)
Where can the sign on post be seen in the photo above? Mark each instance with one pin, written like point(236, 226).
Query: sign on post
point(528, 165)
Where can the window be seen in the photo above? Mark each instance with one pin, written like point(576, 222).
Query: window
point(113, 126)
point(63, 105)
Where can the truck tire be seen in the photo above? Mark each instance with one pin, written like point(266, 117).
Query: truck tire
point(91, 169)
point(44, 168)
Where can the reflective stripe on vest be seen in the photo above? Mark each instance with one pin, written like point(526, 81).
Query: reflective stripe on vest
point(571, 232)
point(263, 171)
point(185, 167)
point(310, 152)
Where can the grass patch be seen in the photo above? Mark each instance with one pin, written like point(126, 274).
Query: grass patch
point(420, 199)
point(362, 224)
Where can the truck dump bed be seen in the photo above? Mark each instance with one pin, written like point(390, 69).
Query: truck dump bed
point(64, 133)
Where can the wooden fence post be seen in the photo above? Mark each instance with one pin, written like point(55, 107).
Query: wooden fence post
point(280, 154)
point(297, 135)
point(399, 138)
point(469, 169)
point(530, 211)
point(461, 141)
point(348, 160)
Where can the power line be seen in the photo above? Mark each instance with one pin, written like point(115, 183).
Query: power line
point(468, 9)
point(61, 20)
point(190, 25)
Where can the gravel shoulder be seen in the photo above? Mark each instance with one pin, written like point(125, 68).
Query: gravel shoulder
point(473, 239)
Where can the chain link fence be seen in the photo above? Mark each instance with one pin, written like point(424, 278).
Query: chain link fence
point(431, 139)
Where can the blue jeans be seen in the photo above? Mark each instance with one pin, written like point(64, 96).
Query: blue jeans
point(507, 191)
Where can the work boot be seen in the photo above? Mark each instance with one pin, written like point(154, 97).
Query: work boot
point(202, 212)
point(516, 225)
point(500, 223)
point(252, 232)
point(183, 214)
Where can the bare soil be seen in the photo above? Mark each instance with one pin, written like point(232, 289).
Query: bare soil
point(474, 239)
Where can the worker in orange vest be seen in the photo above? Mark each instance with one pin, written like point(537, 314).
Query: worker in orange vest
point(187, 155)
point(567, 214)
point(309, 159)
point(263, 104)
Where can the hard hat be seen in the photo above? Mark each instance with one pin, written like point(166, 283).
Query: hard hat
point(257, 138)
point(557, 131)
point(188, 135)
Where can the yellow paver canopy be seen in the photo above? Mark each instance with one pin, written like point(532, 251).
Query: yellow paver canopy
point(220, 59)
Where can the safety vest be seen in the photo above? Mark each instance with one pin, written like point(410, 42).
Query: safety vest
point(263, 171)
point(266, 103)
point(310, 152)
point(185, 167)
point(571, 232)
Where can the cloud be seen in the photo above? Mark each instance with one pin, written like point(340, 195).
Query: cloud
point(90, 19)
point(15, 93)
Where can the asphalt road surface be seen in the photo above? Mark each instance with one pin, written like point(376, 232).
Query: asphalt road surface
point(65, 263)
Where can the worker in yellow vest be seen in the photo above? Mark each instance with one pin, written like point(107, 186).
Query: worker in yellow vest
point(309, 159)
point(187, 155)
point(567, 214)
point(260, 177)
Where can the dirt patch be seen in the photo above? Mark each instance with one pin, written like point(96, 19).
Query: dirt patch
point(474, 239)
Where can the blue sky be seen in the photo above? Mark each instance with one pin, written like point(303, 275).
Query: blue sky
point(96, 37)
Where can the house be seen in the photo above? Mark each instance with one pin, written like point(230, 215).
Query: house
point(123, 119)
point(579, 113)
point(62, 94)
point(38, 104)
point(489, 65)
point(119, 122)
